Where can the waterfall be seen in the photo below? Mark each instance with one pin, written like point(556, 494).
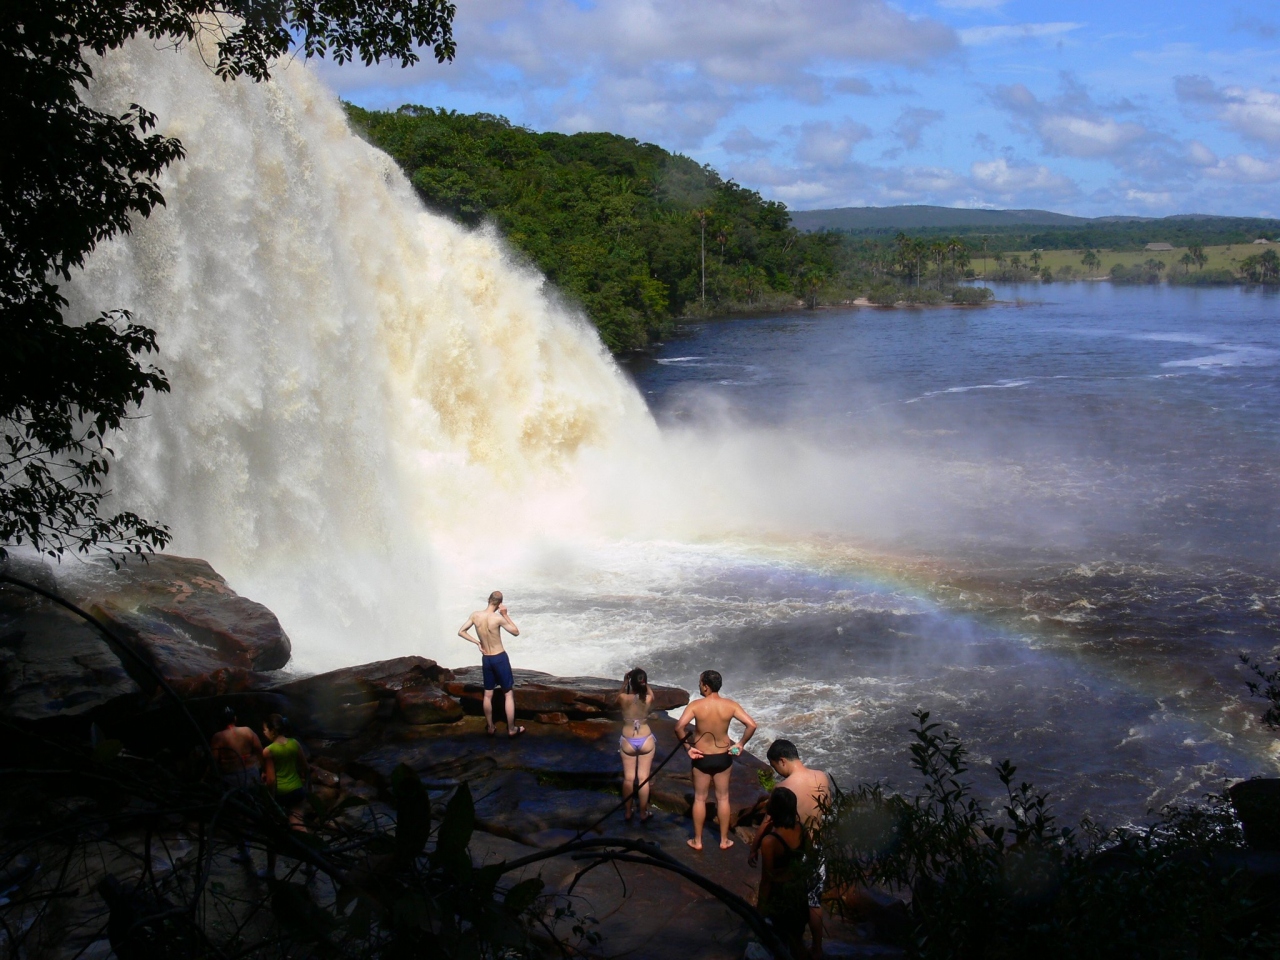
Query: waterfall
point(372, 407)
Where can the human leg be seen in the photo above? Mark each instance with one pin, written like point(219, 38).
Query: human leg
point(628, 777)
point(512, 729)
point(701, 786)
point(488, 712)
point(723, 808)
point(644, 763)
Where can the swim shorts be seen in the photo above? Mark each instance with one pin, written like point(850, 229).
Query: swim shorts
point(713, 763)
point(241, 779)
point(294, 798)
point(497, 672)
point(818, 878)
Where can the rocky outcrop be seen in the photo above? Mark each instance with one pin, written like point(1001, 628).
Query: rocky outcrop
point(54, 665)
point(176, 615)
point(345, 704)
point(543, 696)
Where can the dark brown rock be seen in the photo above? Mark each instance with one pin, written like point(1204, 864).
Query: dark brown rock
point(54, 664)
point(1257, 805)
point(427, 704)
point(578, 698)
point(343, 704)
point(553, 718)
point(176, 616)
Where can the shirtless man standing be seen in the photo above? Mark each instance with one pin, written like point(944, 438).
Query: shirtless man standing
point(237, 751)
point(813, 797)
point(712, 751)
point(489, 624)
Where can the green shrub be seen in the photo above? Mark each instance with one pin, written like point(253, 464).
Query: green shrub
point(972, 295)
point(884, 295)
point(922, 295)
point(1014, 883)
point(1204, 278)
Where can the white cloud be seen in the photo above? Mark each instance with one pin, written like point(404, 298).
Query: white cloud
point(1242, 168)
point(1004, 179)
point(1084, 137)
point(911, 123)
point(972, 4)
point(743, 142)
point(1253, 113)
point(824, 144)
point(999, 33)
point(668, 70)
point(1073, 124)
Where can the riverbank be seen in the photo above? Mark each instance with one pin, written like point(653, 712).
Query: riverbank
point(177, 646)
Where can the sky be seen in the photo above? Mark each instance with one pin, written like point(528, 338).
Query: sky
point(1094, 108)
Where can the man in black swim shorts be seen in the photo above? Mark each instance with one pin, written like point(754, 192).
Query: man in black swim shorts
point(711, 752)
point(489, 624)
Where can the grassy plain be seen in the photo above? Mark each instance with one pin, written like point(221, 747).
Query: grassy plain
point(1220, 258)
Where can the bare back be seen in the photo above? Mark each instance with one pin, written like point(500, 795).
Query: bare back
point(813, 792)
point(711, 719)
point(489, 624)
point(635, 713)
point(236, 749)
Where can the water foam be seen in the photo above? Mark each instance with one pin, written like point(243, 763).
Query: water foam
point(368, 400)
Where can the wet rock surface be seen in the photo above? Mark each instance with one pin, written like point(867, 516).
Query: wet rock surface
point(344, 704)
point(176, 614)
point(561, 778)
point(574, 698)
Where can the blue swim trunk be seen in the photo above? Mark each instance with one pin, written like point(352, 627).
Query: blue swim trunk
point(497, 672)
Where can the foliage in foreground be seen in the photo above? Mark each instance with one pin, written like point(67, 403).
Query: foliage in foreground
point(72, 177)
point(1013, 883)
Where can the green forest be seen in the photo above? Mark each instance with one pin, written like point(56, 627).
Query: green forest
point(1118, 235)
point(622, 227)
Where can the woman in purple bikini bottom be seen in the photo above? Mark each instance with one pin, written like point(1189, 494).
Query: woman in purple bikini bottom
point(637, 744)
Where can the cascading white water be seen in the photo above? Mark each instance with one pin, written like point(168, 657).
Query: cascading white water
point(369, 403)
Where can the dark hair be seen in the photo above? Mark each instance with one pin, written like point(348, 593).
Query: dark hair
point(782, 807)
point(495, 597)
point(637, 682)
point(782, 750)
point(712, 679)
point(278, 723)
point(228, 715)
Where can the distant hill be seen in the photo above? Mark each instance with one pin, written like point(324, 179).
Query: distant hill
point(1006, 230)
point(923, 217)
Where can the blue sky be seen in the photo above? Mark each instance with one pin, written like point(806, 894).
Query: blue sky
point(1087, 108)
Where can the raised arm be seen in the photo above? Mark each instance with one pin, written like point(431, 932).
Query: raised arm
point(462, 630)
point(745, 719)
point(508, 624)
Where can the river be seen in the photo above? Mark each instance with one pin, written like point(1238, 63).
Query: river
point(1059, 531)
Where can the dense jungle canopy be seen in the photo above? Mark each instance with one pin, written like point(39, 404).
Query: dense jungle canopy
point(618, 225)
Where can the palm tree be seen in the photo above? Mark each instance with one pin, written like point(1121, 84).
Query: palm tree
point(1035, 260)
point(1186, 260)
point(938, 253)
point(1198, 255)
point(1090, 260)
point(701, 216)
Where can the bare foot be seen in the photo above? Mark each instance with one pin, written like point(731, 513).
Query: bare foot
point(726, 843)
point(696, 844)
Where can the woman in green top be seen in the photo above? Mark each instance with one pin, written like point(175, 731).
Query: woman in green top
point(285, 765)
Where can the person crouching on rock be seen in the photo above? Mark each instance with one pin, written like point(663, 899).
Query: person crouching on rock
point(286, 775)
point(712, 751)
point(637, 744)
point(489, 624)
